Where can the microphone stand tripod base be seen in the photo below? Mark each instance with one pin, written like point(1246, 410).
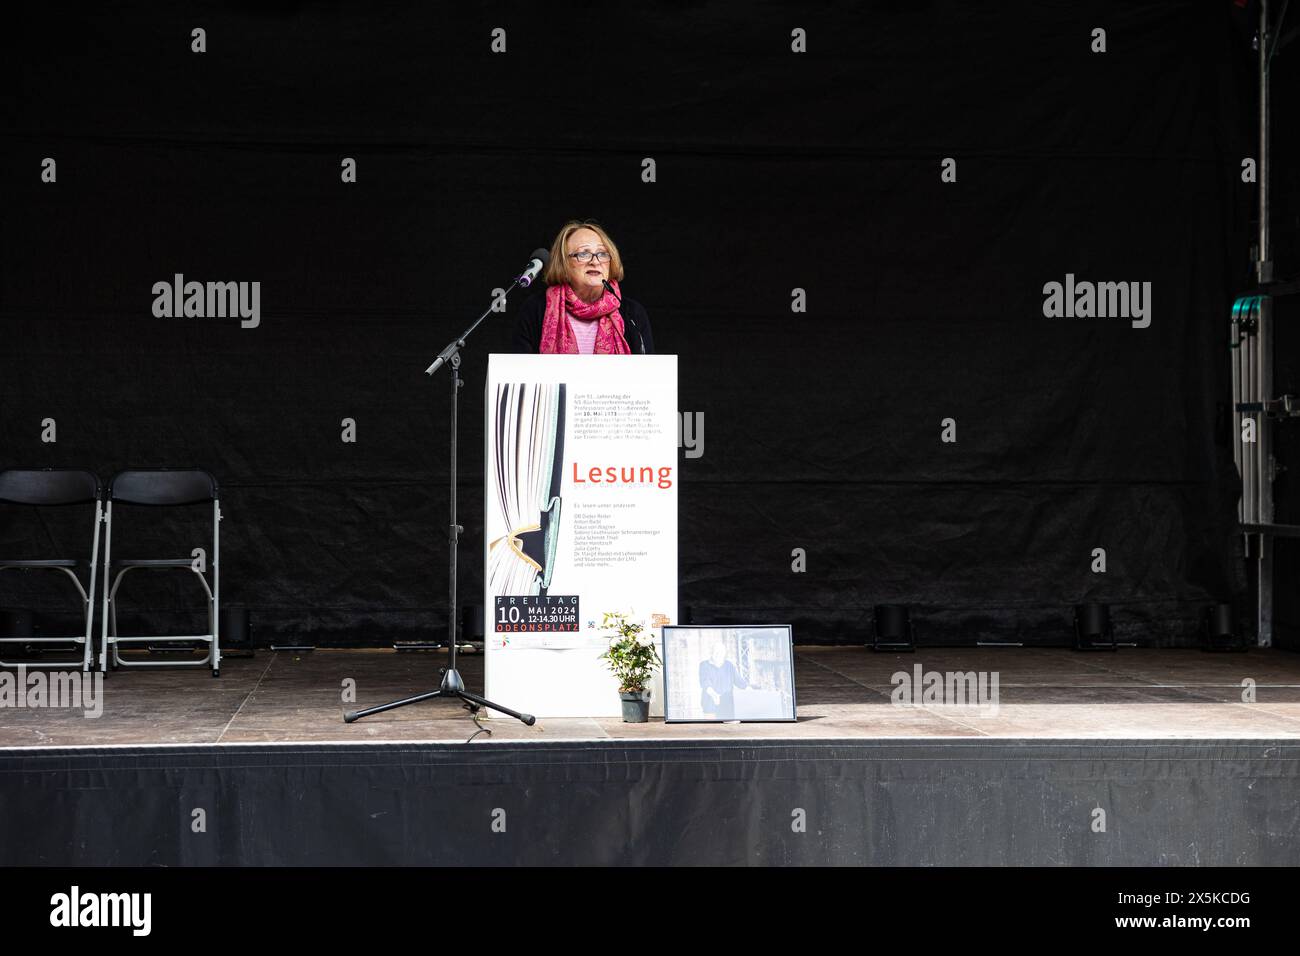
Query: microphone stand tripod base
point(453, 686)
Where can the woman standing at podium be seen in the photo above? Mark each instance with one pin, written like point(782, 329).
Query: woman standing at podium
point(583, 311)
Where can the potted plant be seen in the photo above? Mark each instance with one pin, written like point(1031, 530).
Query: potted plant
point(633, 657)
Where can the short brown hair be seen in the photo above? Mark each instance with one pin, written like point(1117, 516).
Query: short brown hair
point(557, 268)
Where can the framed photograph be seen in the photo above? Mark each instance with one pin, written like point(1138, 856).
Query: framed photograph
point(719, 673)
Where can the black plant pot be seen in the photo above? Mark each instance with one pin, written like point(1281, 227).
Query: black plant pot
point(636, 706)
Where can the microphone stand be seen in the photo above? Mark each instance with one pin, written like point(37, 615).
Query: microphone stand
point(452, 684)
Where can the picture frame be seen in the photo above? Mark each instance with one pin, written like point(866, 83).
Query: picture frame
point(728, 673)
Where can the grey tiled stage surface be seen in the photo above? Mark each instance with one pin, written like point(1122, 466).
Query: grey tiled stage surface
point(842, 693)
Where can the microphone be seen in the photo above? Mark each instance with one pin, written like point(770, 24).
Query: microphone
point(535, 267)
point(611, 291)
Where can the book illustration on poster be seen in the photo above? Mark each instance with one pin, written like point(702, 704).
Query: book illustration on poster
point(529, 455)
point(528, 450)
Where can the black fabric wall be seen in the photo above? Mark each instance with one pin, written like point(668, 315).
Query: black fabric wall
point(775, 170)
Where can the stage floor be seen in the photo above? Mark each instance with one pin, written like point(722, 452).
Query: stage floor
point(843, 693)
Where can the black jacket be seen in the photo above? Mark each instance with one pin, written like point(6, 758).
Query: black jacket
point(528, 330)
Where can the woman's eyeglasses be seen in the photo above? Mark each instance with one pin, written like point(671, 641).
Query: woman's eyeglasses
point(585, 256)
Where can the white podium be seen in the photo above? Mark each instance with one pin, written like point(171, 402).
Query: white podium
point(580, 502)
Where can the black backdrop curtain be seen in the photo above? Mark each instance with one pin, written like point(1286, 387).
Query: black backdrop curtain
point(775, 171)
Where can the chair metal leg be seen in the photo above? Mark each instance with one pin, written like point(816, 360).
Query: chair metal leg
point(86, 641)
point(114, 639)
point(104, 642)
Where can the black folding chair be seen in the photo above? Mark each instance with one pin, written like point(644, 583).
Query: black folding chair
point(161, 487)
point(49, 488)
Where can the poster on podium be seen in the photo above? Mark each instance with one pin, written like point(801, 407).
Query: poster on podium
point(580, 501)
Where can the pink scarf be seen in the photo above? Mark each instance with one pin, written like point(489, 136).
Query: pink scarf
point(557, 334)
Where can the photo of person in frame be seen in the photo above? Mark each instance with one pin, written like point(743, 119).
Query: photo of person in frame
point(719, 678)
